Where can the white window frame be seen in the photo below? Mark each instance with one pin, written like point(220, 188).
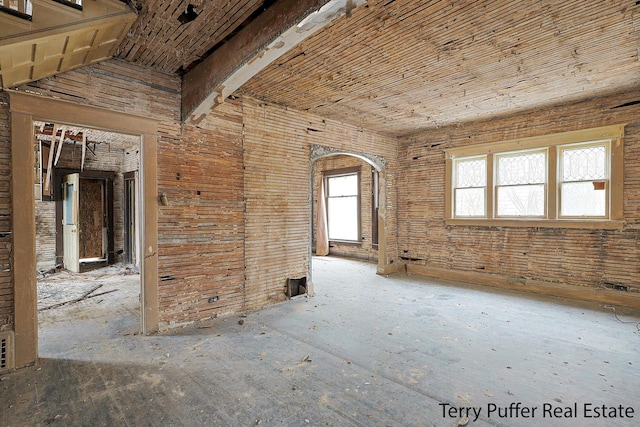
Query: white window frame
point(554, 144)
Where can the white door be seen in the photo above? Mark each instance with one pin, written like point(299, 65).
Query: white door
point(71, 238)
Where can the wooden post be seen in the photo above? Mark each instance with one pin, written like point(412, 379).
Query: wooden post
point(24, 237)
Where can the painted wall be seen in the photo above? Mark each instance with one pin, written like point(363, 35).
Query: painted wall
point(513, 256)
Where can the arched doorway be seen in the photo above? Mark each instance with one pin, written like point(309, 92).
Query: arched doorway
point(368, 242)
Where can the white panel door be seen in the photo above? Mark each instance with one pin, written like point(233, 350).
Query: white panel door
point(71, 237)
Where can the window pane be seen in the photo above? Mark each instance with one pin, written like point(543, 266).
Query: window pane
point(469, 202)
point(584, 163)
point(522, 168)
point(342, 215)
point(471, 173)
point(521, 200)
point(346, 185)
point(68, 204)
point(583, 199)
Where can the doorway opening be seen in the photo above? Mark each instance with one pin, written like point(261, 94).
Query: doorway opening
point(347, 207)
point(345, 198)
point(86, 203)
point(26, 109)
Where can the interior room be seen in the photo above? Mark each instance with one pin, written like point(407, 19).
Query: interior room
point(319, 212)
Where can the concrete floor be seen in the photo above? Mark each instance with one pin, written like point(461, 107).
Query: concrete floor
point(365, 351)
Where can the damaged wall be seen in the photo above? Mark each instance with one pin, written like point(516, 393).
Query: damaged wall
point(201, 231)
point(365, 249)
point(6, 272)
point(277, 179)
point(118, 86)
point(237, 222)
point(102, 157)
point(536, 259)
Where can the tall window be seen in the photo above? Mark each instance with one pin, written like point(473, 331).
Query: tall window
point(343, 204)
point(572, 179)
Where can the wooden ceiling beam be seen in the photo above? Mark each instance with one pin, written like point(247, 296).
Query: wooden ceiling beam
point(271, 35)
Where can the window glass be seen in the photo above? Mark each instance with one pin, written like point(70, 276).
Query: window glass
point(346, 185)
point(584, 182)
point(342, 207)
point(572, 179)
point(520, 189)
point(470, 191)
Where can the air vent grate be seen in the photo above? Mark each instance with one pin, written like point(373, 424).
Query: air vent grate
point(6, 351)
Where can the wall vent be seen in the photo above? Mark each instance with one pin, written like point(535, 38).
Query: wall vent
point(296, 287)
point(6, 351)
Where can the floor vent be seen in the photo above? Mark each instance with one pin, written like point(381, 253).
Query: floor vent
point(296, 287)
point(6, 351)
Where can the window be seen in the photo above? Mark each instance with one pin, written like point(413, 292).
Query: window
point(584, 180)
point(572, 179)
point(343, 204)
point(470, 187)
point(521, 179)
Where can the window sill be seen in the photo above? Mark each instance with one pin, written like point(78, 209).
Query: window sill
point(345, 242)
point(542, 223)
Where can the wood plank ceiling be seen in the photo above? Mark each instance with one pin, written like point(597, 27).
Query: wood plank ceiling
point(171, 35)
point(398, 66)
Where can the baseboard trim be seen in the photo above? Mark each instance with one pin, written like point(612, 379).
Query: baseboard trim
point(563, 290)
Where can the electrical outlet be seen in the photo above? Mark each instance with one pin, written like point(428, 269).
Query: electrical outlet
point(213, 299)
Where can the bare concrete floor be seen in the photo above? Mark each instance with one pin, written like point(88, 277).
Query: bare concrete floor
point(365, 351)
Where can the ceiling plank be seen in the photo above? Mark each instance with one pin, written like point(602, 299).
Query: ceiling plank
point(271, 35)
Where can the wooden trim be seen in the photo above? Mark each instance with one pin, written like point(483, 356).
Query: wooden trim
point(149, 231)
point(345, 242)
point(25, 108)
point(69, 113)
point(585, 293)
point(615, 215)
point(342, 171)
point(490, 200)
point(552, 184)
point(448, 191)
point(24, 246)
point(20, 14)
point(37, 34)
point(616, 185)
point(602, 224)
point(584, 135)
